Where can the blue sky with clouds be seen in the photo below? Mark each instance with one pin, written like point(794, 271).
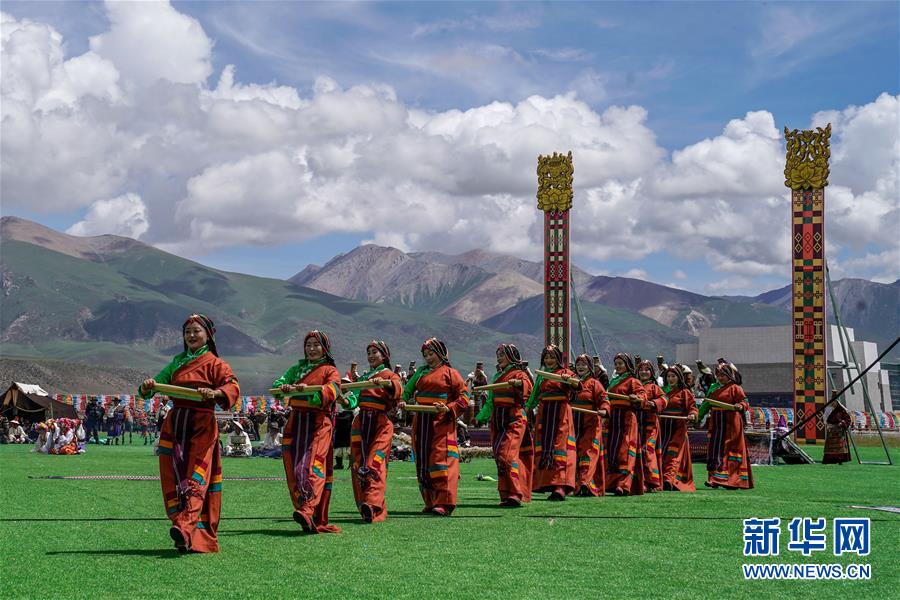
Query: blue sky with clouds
point(674, 110)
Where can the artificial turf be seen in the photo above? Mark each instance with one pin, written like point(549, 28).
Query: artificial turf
point(109, 539)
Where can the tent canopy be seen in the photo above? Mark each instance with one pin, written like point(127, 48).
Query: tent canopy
point(32, 403)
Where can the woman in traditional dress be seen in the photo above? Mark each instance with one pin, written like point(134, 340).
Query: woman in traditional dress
point(624, 470)
point(727, 463)
point(434, 434)
point(554, 447)
point(590, 476)
point(653, 405)
point(837, 446)
point(308, 442)
point(190, 467)
point(504, 409)
point(677, 472)
point(371, 433)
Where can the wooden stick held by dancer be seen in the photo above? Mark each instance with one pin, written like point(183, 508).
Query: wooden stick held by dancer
point(421, 408)
point(345, 387)
point(588, 411)
point(722, 405)
point(573, 381)
point(365, 385)
point(614, 396)
point(177, 391)
point(506, 385)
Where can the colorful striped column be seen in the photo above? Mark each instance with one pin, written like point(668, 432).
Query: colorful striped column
point(806, 173)
point(554, 195)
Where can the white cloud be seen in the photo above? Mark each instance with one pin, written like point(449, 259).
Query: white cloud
point(735, 284)
point(123, 215)
point(514, 21)
point(151, 40)
point(679, 275)
point(883, 267)
point(636, 274)
point(261, 163)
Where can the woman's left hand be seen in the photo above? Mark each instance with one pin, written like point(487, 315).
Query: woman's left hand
point(208, 393)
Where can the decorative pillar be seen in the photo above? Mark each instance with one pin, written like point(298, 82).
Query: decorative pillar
point(554, 196)
point(806, 173)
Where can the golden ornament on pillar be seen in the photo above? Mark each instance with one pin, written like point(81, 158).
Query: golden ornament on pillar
point(808, 151)
point(555, 175)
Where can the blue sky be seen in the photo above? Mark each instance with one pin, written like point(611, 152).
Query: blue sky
point(690, 67)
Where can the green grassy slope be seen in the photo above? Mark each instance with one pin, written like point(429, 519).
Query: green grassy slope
point(128, 309)
point(108, 539)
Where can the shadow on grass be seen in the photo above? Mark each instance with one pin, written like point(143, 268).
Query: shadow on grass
point(157, 553)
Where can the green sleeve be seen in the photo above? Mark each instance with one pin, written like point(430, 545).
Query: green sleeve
point(352, 398)
point(535, 396)
point(164, 377)
point(484, 414)
point(288, 377)
point(704, 408)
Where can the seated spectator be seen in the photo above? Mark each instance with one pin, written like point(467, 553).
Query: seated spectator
point(16, 434)
point(238, 442)
point(64, 438)
point(271, 446)
point(40, 444)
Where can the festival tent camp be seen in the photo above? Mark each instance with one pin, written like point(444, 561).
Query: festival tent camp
point(32, 403)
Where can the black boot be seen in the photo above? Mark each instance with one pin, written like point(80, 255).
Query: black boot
point(339, 462)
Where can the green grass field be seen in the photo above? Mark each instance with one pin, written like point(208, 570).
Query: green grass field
point(109, 539)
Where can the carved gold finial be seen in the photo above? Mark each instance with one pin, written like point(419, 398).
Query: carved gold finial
point(808, 151)
point(555, 174)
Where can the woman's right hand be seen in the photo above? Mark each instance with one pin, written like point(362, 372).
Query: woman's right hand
point(401, 404)
point(286, 388)
point(148, 384)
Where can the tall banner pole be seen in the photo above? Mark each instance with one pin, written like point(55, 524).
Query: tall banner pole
point(806, 174)
point(554, 196)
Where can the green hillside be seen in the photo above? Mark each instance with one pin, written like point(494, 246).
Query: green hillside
point(126, 309)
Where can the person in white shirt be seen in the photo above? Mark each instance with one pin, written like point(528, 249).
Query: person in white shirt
point(40, 444)
point(16, 433)
point(238, 441)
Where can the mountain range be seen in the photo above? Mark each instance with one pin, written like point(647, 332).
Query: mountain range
point(114, 302)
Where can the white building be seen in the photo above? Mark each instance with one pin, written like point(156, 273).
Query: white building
point(764, 356)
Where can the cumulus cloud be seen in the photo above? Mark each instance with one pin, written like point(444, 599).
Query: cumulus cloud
point(123, 215)
point(151, 41)
point(196, 167)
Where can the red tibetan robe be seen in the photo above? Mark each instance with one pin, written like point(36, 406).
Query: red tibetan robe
point(190, 464)
point(652, 451)
point(434, 437)
point(511, 438)
point(674, 443)
point(308, 448)
point(623, 451)
point(727, 462)
point(554, 447)
point(370, 443)
point(591, 465)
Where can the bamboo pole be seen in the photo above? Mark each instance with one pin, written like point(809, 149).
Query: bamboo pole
point(421, 408)
point(366, 385)
point(677, 417)
point(310, 389)
point(722, 405)
point(505, 385)
point(586, 410)
point(177, 391)
point(573, 381)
